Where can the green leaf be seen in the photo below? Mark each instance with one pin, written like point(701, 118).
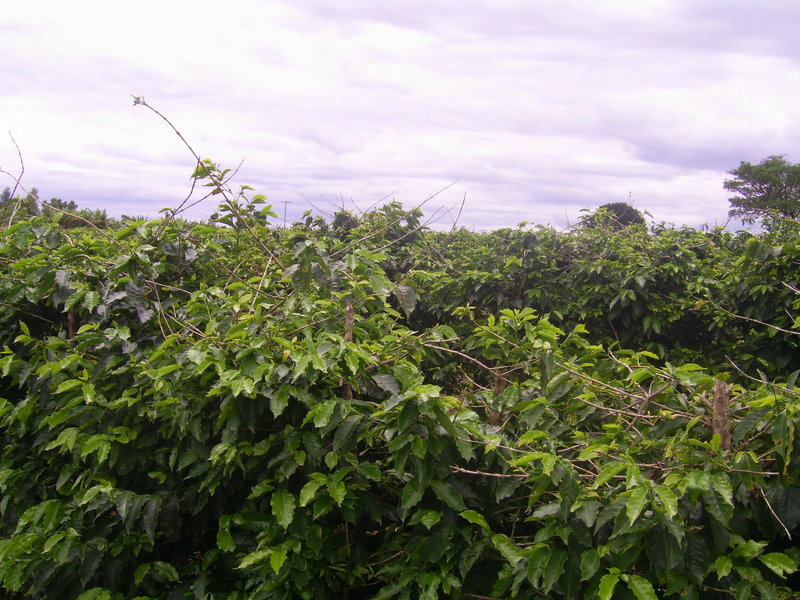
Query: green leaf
point(641, 588)
point(448, 494)
point(636, 502)
point(698, 481)
point(748, 549)
point(412, 494)
point(166, 570)
point(443, 419)
point(743, 590)
point(590, 563)
point(668, 499)
point(554, 569)
point(429, 518)
point(88, 393)
point(558, 386)
point(67, 385)
point(609, 471)
point(588, 511)
point(309, 490)
point(778, 563)
point(507, 548)
point(254, 557)
point(537, 562)
point(166, 370)
point(476, 519)
point(723, 566)
point(224, 539)
point(323, 412)
point(607, 585)
point(65, 439)
point(337, 490)
point(141, 572)
point(277, 558)
point(283, 506)
point(407, 297)
point(722, 485)
point(96, 593)
point(278, 402)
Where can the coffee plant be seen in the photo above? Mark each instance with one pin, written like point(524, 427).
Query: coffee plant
point(230, 410)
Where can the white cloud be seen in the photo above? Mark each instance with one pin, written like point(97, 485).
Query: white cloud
point(536, 109)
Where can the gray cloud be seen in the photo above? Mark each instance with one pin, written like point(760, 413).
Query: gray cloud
point(536, 109)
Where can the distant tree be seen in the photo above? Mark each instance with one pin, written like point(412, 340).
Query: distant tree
point(17, 208)
point(770, 188)
point(69, 215)
point(616, 214)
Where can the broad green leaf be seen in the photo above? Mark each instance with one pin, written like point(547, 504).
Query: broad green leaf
point(476, 519)
point(641, 588)
point(66, 439)
point(141, 572)
point(254, 557)
point(225, 541)
point(537, 561)
point(418, 446)
point(609, 471)
point(166, 370)
point(95, 593)
point(723, 566)
point(67, 385)
point(607, 585)
point(554, 569)
point(53, 540)
point(429, 518)
point(778, 563)
point(380, 284)
point(309, 490)
point(278, 402)
point(558, 386)
point(430, 592)
point(636, 502)
point(743, 590)
point(88, 393)
point(337, 490)
point(412, 494)
point(166, 570)
point(507, 548)
point(283, 505)
point(262, 488)
point(323, 412)
point(407, 297)
point(668, 499)
point(448, 494)
point(698, 481)
point(748, 549)
point(590, 563)
point(444, 420)
point(587, 512)
point(277, 558)
point(722, 485)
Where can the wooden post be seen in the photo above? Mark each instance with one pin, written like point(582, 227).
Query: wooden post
point(349, 324)
point(721, 414)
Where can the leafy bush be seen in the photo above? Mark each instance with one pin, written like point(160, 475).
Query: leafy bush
point(226, 410)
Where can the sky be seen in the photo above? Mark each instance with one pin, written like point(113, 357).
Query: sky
point(488, 113)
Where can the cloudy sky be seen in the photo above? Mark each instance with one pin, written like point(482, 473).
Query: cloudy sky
point(531, 110)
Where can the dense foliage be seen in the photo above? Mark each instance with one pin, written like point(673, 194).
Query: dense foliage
point(367, 409)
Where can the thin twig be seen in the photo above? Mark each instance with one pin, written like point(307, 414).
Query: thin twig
point(777, 518)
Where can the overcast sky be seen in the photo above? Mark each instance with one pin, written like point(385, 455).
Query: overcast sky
point(529, 109)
